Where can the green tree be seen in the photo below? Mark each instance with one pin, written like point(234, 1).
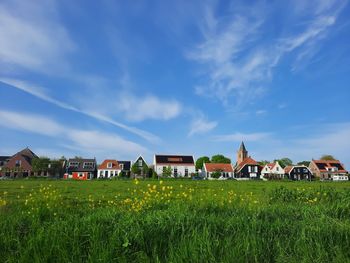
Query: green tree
point(40, 165)
point(216, 174)
point(200, 161)
point(135, 169)
point(284, 162)
point(167, 171)
point(327, 157)
point(306, 163)
point(263, 162)
point(56, 168)
point(219, 158)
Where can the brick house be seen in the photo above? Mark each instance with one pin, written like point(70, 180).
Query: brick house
point(20, 164)
point(328, 170)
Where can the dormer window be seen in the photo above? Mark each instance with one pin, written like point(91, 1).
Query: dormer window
point(88, 165)
point(74, 164)
point(109, 165)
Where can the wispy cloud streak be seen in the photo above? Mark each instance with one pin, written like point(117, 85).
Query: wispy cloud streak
point(238, 60)
point(41, 94)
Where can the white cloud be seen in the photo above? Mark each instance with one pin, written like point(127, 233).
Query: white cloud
point(148, 107)
point(239, 137)
point(32, 37)
point(238, 62)
point(29, 122)
point(86, 141)
point(42, 94)
point(201, 125)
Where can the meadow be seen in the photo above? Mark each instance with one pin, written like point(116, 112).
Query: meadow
point(174, 221)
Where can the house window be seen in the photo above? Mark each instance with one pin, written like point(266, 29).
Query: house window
point(121, 166)
point(74, 164)
point(277, 168)
point(249, 169)
point(140, 162)
point(88, 165)
point(186, 171)
point(175, 171)
point(256, 169)
point(109, 165)
point(164, 168)
point(18, 163)
point(101, 173)
point(81, 174)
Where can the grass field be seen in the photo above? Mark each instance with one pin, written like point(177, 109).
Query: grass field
point(174, 221)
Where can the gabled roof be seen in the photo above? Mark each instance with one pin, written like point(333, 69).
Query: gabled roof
point(174, 159)
point(4, 158)
point(213, 167)
point(246, 161)
point(271, 165)
point(104, 165)
point(322, 165)
point(27, 154)
point(143, 159)
point(289, 168)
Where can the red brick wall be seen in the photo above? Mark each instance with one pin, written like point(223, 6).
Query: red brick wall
point(24, 164)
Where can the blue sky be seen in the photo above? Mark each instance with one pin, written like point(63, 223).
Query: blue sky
point(114, 79)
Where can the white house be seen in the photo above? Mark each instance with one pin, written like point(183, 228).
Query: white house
point(225, 170)
point(109, 168)
point(273, 170)
point(180, 165)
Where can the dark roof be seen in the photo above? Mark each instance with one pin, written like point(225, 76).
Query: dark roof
point(174, 159)
point(4, 158)
point(322, 165)
point(27, 154)
point(126, 164)
point(80, 167)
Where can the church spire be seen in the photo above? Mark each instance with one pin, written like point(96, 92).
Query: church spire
point(242, 147)
point(242, 153)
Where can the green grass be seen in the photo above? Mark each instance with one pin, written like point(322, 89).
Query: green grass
point(174, 221)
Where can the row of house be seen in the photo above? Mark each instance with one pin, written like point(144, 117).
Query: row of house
point(245, 168)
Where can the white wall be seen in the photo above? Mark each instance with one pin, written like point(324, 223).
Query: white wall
point(180, 169)
point(109, 173)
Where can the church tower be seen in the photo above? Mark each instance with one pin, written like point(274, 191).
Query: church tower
point(242, 153)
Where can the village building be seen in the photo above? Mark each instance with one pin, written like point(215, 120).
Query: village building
point(223, 170)
point(246, 167)
point(298, 172)
point(179, 165)
point(80, 169)
point(329, 170)
point(20, 164)
point(141, 166)
point(125, 167)
point(109, 168)
point(3, 162)
point(272, 171)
